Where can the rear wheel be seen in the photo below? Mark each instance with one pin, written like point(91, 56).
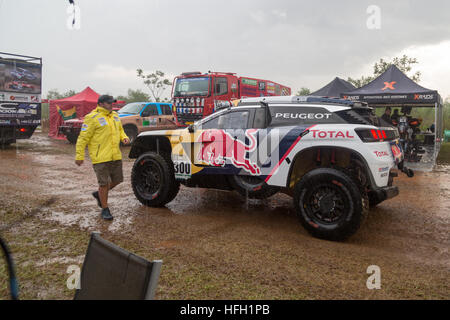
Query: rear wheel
point(153, 179)
point(252, 187)
point(6, 143)
point(330, 204)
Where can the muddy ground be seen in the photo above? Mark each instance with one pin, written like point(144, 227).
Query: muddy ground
point(214, 244)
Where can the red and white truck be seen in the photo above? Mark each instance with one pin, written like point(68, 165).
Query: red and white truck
point(196, 95)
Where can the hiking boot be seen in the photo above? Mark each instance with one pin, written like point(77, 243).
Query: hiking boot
point(95, 195)
point(106, 215)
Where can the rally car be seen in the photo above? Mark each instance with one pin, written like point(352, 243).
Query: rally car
point(331, 155)
point(20, 85)
point(20, 73)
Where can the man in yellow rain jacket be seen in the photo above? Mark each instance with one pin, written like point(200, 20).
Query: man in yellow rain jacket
point(102, 132)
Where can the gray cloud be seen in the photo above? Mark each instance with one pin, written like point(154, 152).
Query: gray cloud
point(299, 43)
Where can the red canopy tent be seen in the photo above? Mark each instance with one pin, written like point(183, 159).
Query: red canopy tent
point(76, 106)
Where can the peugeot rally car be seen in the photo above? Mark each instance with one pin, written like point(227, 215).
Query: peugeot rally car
point(331, 155)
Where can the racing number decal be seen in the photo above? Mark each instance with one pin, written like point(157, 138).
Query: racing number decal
point(182, 169)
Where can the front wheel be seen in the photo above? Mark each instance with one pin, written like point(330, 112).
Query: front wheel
point(330, 204)
point(153, 179)
point(72, 138)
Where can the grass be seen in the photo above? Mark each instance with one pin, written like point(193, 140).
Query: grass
point(41, 255)
point(444, 154)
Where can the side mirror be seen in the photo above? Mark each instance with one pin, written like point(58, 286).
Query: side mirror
point(191, 128)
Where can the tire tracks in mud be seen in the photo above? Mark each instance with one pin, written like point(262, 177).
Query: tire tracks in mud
point(34, 212)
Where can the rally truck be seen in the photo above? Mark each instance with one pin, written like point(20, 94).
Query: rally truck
point(20, 100)
point(196, 95)
point(331, 155)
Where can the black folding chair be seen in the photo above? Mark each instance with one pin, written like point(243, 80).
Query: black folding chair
point(112, 273)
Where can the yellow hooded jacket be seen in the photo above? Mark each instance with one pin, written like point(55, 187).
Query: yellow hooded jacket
point(102, 132)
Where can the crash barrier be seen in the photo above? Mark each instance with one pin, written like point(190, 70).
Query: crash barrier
point(447, 136)
point(112, 273)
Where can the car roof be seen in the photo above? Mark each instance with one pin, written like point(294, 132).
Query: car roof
point(299, 99)
point(149, 103)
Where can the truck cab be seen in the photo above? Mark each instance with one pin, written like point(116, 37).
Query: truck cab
point(196, 95)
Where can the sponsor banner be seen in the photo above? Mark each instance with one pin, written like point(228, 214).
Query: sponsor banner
point(19, 97)
point(282, 116)
point(249, 82)
point(16, 113)
point(20, 76)
point(277, 90)
point(394, 98)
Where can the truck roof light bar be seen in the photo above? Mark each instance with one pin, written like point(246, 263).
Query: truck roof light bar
point(191, 73)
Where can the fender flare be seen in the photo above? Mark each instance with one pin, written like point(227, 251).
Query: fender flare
point(360, 157)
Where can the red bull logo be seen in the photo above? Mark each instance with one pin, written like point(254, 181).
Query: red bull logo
point(219, 146)
point(396, 151)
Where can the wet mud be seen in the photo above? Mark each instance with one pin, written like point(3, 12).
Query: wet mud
point(410, 232)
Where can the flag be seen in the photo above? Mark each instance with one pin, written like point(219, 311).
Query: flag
point(67, 114)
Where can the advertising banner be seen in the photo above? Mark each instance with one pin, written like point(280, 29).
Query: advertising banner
point(16, 113)
point(20, 76)
point(20, 92)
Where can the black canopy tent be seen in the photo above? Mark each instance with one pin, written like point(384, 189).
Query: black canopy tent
point(394, 89)
point(334, 88)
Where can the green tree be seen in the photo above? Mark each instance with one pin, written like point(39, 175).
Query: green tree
point(135, 96)
point(404, 63)
point(54, 94)
point(155, 82)
point(303, 92)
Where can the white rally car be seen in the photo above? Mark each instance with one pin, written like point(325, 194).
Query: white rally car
point(329, 154)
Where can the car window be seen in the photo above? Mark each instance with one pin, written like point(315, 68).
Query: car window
point(210, 124)
point(165, 109)
point(220, 86)
point(234, 120)
point(150, 110)
point(132, 108)
point(259, 121)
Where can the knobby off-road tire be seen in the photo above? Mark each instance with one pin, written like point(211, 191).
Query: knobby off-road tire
point(6, 143)
point(72, 138)
point(153, 179)
point(330, 204)
point(252, 187)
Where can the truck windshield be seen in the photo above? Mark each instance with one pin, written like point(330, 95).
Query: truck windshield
point(132, 108)
point(191, 87)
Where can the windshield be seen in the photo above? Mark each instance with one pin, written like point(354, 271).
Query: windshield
point(132, 108)
point(200, 122)
point(192, 87)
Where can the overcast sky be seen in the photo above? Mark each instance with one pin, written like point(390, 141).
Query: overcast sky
point(292, 42)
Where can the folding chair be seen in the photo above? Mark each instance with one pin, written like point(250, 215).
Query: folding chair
point(112, 273)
